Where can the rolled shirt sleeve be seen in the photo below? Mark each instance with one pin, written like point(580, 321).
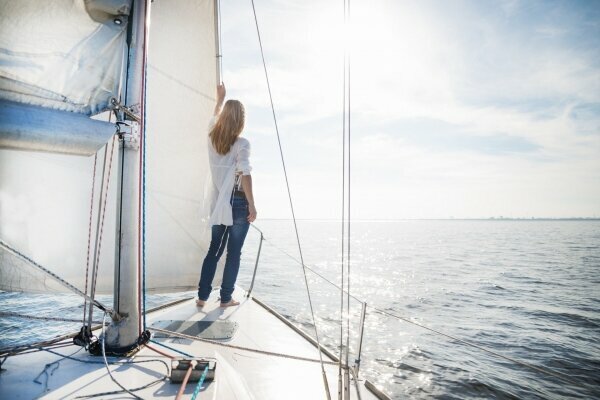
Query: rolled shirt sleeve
point(243, 157)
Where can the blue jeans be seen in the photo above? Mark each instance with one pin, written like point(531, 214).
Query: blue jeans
point(233, 237)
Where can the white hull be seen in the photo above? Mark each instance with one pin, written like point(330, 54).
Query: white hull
point(240, 373)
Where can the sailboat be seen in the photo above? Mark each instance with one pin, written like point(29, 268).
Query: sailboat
point(103, 105)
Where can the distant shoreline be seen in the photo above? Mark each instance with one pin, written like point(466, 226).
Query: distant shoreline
point(443, 219)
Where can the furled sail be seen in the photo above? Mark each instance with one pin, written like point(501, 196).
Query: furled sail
point(55, 55)
point(45, 198)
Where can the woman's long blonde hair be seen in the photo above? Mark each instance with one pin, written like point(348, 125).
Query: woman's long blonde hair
point(228, 127)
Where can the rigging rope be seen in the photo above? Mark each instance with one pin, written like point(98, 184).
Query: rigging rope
point(348, 243)
point(102, 341)
point(143, 150)
point(183, 353)
point(219, 43)
point(34, 348)
point(405, 319)
point(142, 290)
point(200, 382)
point(106, 362)
point(343, 236)
point(97, 232)
point(40, 317)
point(522, 363)
point(101, 215)
point(326, 385)
point(47, 367)
point(231, 346)
point(63, 282)
point(87, 267)
point(270, 243)
point(87, 262)
point(10, 351)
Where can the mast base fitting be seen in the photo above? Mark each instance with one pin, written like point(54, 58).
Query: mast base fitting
point(84, 337)
point(125, 351)
point(180, 366)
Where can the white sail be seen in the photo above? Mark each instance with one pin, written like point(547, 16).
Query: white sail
point(45, 198)
point(45, 214)
point(53, 54)
point(182, 76)
point(58, 59)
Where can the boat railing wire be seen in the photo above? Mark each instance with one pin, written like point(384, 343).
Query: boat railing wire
point(366, 308)
point(312, 270)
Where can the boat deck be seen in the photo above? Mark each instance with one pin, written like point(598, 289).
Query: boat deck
point(240, 373)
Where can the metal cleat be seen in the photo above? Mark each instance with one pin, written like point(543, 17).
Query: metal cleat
point(180, 366)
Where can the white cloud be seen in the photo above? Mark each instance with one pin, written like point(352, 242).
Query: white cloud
point(485, 73)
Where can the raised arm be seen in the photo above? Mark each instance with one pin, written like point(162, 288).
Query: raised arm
point(220, 98)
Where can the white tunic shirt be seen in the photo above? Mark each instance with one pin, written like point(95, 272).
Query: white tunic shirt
point(224, 169)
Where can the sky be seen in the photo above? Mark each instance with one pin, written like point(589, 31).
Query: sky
point(462, 109)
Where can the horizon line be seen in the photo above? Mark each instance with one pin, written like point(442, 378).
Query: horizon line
point(445, 219)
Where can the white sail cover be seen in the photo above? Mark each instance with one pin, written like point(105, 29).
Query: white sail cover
point(55, 55)
point(45, 198)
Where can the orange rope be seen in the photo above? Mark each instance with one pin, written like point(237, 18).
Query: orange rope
point(160, 352)
point(185, 380)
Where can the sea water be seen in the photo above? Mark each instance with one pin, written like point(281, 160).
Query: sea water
point(525, 292)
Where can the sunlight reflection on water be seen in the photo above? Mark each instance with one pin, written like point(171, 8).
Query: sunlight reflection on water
point(528, 290)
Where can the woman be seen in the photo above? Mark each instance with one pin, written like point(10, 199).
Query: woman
point(232, 206)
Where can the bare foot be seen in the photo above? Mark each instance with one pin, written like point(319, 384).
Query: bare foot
point(230, 303)
point(200, 303)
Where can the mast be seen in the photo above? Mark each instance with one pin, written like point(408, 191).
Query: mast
point(124, 334)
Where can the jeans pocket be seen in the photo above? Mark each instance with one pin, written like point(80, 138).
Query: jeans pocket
point(240, 213)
